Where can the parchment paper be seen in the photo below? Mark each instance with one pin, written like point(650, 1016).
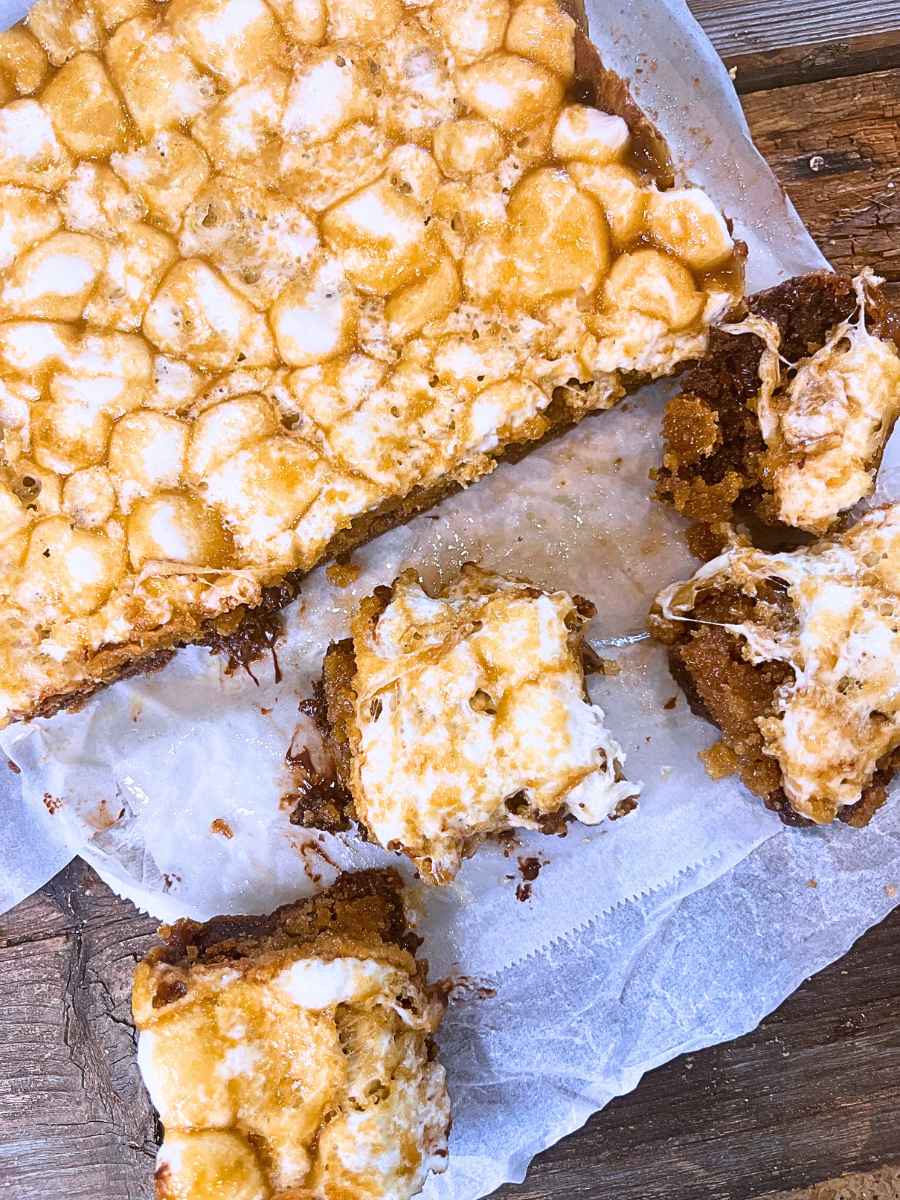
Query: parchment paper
point(674, 928)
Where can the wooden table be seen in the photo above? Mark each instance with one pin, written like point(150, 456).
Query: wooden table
point(814, 1092)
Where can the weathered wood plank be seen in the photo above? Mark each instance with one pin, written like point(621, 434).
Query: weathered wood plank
point(74, 1119)
point(751, 26)
point(767, 69)
point(835, 146)
point(810, 1094)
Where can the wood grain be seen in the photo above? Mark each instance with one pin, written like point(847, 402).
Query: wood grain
point(768, 69)
point(810, 1095)
point(751, 26)
point(835, 146)
point(74, 1119)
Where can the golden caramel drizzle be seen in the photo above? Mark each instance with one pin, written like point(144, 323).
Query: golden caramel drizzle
point(289, 1075)
point(266, 265)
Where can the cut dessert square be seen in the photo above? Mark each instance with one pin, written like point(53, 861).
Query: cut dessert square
point(463, 714)
point(788, 414)
point(292, 1054)
point(273, 277)
point(796, 658)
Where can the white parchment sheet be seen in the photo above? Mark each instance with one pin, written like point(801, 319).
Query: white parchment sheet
point(674, 928)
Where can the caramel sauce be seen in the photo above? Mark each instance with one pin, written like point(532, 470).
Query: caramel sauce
point(233, 322)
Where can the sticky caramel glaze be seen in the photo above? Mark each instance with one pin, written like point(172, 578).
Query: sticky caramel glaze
point(787, 417)
point(431, 711)
point(242, 327)
point(292, 1054)
point(794, 656)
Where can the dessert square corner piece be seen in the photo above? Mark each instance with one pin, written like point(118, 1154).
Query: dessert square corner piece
point(795, 656)
point(788, 414)
point(291, 1055)
point(463, 714)
point(271, 273)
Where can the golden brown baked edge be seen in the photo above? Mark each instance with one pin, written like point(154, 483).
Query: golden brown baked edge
point(246, 634)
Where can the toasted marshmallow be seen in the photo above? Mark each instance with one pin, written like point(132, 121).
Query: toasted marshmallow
point(510, 91)
point(655, 285)
point(85, 109)
point(838, 715)
point(826, 424)
point(588, 134)
point(305, 1066)
point(687, 223)
point(328, 253)
point(465, 701)
point(472, 29)
point(30, 152)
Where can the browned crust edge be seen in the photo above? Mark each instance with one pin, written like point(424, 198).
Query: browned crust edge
point(719, 392)
point(247, 633)
point(336, 718)
point(676, 635)
point(597, 85)
point(367, 906)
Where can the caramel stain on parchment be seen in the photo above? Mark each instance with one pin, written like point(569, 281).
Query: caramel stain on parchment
point(314, 857)
point(343, 572)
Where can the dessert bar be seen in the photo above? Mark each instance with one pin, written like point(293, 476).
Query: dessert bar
point(463, 714)
point(291, 1055)
point(795, 656)
point(788, 414)
point(274, 276)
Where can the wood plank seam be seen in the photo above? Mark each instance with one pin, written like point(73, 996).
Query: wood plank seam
point(753, 26)
point(813, 63)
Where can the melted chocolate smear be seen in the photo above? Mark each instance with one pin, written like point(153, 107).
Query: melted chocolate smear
point(320, 850)
point(778, 803)
point(508, 840)
point(319, 801)
point(592, 663)
point(585, 608)
point(556, 824)
point(314, 854)
point(517, 803)
point(315, 707)
point(256, 633)
point(530, 868)
point(623, 808)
